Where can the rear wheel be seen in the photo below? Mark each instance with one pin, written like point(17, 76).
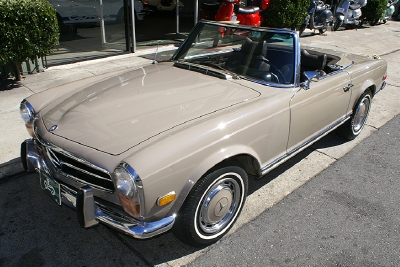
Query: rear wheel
point(352, 128)
point(212, 206)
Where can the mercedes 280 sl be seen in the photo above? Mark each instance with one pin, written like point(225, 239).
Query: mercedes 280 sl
point(170, 145)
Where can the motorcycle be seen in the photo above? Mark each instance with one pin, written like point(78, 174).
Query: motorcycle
point(348, 12)
point(319, 17)
point(235, 11)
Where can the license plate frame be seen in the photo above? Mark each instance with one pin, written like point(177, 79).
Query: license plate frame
point(50, 186)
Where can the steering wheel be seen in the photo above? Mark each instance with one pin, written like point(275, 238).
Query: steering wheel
point(279, 76)
point(273, 69)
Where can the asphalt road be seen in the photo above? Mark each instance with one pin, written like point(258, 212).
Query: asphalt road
point(348, 215)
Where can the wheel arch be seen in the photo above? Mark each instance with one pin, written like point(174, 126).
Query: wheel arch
point(368, 85)
point(244, 157)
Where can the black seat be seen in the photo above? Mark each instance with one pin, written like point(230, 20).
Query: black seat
point(311, 62)
point(250, 60)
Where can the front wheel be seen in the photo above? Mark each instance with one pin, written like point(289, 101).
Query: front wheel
point(322, 30)
point(302, 28)
point(337, 24)
point(352, 128)
point(212, 206)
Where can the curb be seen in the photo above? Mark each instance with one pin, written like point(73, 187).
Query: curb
point(11, 168)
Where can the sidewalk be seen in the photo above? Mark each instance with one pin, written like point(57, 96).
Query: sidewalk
point(12, 128)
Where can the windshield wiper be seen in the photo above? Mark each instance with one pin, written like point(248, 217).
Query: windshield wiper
point(231, 73)
point(199, 68)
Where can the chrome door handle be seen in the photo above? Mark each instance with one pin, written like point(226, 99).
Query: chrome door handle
point(347, 88)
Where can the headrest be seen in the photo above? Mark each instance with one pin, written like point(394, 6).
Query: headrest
point(254, 48)
point(315, 62)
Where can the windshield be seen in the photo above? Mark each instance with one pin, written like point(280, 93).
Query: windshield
point(258, 54)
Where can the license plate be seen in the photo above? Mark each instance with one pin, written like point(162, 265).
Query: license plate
point(50, 186)
point(340, 10)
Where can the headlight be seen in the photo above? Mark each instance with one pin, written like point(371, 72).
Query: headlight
point(28, 116)
point(129, 189)
point(27, 112)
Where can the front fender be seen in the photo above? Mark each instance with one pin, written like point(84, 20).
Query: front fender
point(208, 163)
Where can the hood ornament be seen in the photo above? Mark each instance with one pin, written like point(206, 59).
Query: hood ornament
point(53, 128)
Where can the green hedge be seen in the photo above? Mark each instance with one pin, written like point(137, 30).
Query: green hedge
point(285, 13)
point(27, 29)
point(373, 11)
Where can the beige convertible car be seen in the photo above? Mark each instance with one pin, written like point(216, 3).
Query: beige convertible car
point(170, 146)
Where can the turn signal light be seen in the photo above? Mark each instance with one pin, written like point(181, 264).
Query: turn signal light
point(168, 198)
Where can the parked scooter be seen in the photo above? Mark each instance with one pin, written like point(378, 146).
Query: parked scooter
point(396, 14)
point(234, 10)
point(348, 12)
point(319, 17)
point(389, 10)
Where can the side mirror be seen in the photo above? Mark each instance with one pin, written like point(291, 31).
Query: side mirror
point(309, 76)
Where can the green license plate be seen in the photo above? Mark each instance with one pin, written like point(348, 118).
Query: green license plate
point(50, 186)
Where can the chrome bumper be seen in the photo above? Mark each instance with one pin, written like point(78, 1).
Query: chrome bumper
point(90, 212)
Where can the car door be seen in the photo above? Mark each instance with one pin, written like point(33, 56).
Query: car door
point(316, 110)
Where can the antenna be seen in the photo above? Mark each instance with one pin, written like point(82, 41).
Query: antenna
point(155, 56)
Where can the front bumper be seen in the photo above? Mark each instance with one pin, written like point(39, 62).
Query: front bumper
point(89, 211)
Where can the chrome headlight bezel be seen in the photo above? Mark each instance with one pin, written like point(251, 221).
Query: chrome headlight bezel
point(128, 186)
point(27, 112)
point(29, 116)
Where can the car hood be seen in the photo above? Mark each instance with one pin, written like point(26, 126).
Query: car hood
point(121, 112)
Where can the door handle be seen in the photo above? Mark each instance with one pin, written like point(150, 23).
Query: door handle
point(347, 88)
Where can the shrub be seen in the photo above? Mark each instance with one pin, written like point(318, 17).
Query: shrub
point(27, 29)
point(373, 11)
point(285, 13)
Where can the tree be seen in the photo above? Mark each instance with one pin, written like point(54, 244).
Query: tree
point(285, 13)
point(27, 29)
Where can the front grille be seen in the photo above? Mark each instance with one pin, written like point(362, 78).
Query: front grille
point(79, 169)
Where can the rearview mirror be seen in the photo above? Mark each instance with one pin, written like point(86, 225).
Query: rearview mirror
point(310, 76)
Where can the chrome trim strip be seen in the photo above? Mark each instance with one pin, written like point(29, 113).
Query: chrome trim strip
point(50, 150)
point(320, 134)
point(58, 164)
point(70, 155)
point(276, 162)
point(85, 182)
point(84, 171)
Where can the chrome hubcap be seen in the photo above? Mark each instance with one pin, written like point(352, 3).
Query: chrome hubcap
point(219, 205)
point(361, 114)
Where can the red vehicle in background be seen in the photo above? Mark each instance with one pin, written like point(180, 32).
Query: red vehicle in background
point(236, 11)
